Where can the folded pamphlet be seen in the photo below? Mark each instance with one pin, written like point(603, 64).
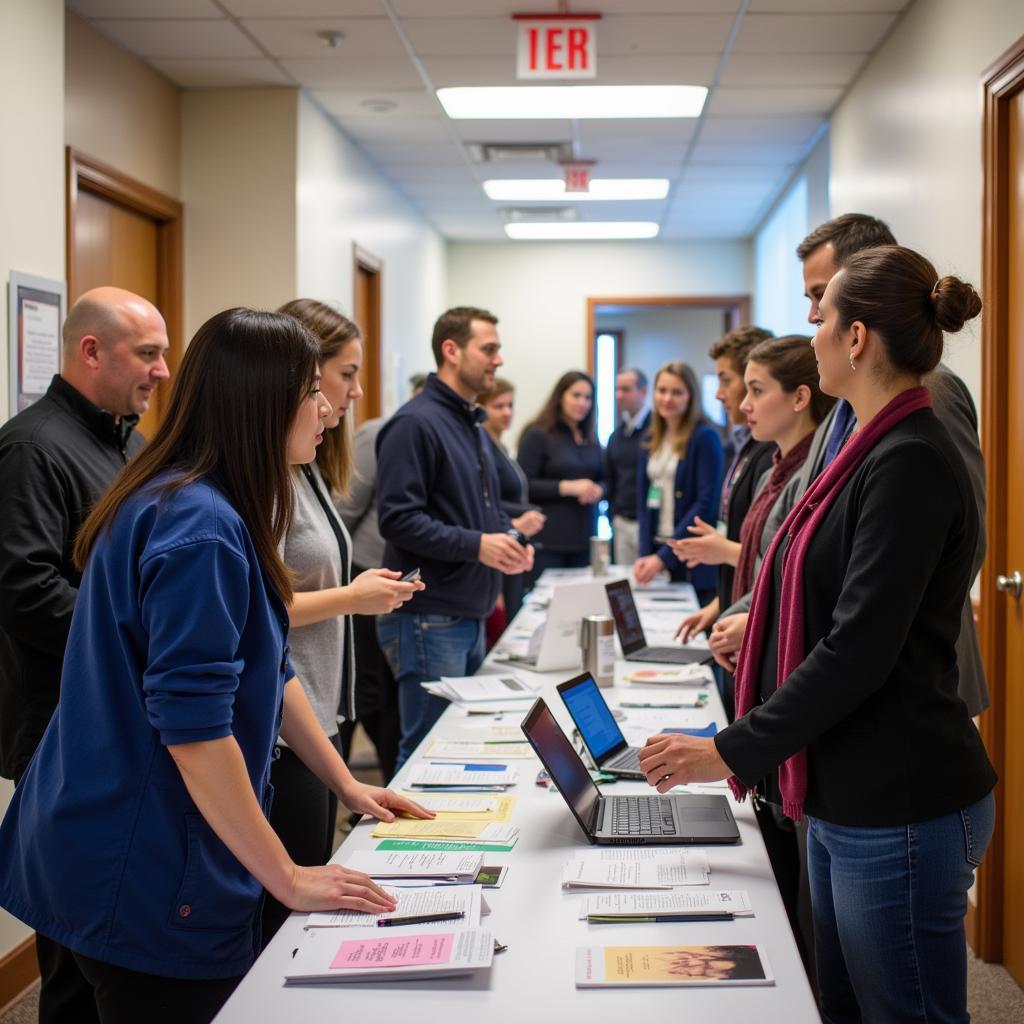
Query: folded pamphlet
point(659, 966)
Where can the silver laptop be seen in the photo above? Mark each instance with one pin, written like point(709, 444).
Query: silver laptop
point(598, 729)
point(624, 820)
point(631, 632)
point(559, 646)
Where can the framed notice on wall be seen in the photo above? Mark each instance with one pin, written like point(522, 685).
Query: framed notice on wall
point(36, 309)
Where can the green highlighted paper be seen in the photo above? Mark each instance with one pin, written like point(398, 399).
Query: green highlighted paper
point(448, 847)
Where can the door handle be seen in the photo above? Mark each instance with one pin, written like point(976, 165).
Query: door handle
point(1012, 584)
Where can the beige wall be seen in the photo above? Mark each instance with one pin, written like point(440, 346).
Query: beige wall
point(119, 111)
point(31, 189)
point(238, 184)
point(906, 141)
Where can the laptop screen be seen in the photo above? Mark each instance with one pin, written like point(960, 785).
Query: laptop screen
point(562, 762)
point(592, 716)
point(627, 621)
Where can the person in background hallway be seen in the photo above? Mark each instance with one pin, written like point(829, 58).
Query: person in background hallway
point(56, 458)
point(376, 689)
point(621, 457)
point(679, 479)
point(846, 691)
point(325, 599)
point(822, 253)
point(563, 464)
point(498, 402)
point(147, 862)
point(438, 505)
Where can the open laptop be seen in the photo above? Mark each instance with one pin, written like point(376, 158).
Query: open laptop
point(620, 820)
point(597, 727)
point(559, 646)
point(631, 633)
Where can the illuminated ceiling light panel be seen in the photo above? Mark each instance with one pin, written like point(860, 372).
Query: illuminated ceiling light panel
point(581, 230)
point(572, 101)
point(520, 190)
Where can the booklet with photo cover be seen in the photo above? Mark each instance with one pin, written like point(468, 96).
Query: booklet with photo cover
point(651, 966)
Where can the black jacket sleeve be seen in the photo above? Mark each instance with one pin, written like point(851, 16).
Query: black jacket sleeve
point(533, 456)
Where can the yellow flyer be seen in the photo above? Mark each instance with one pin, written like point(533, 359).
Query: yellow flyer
point(647, 966)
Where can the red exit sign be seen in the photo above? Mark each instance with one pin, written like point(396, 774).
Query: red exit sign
point(556, 46)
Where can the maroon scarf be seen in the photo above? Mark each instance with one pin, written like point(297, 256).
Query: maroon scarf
point(783, 467)
point(799, 527)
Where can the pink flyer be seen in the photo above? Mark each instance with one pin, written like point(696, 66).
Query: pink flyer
point(405, 951)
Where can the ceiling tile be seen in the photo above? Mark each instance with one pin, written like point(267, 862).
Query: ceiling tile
point(407, 103)
point(683, 33)
point(145, 8)
point(821, 33)
point(513, 131)
point(188, 38)
point(398, 130)
point(291, 37)
point(826, 6)
point(744, 153)
point(353, 73)
point(761, 173)
point(505, 8)
point(417, 170)
point(302, 8)
point(221, 74)
point(646, 131)
point(793, 68)
point(780, 101)
point(757, 129)
point(435, 152)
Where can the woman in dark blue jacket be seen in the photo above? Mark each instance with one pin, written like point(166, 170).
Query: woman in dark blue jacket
point(679, 477)
point(138, 837)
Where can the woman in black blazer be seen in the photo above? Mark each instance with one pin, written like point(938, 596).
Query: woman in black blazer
point(563, 463)
point(847, 703)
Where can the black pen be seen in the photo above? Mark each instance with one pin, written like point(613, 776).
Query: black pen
point(390, 922)
point(657, 918)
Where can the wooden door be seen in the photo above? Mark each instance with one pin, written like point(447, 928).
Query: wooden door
point(366, 290)
point(1001, 880)
point(123, 233)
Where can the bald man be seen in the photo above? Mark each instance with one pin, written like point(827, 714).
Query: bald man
point(56, 458)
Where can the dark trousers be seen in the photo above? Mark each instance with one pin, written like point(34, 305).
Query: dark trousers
point(303, 816)
point(376, 696)
point(65, 997)
point(121, 996)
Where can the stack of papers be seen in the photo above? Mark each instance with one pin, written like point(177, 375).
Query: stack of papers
point(462, 776)
point(326, 955)
point(449, 899)
point(491, 825)
point(473, 689)
point(417, 867)
point(478, 750)
point(649, 966)
point(640, 868)
point(661, 906)
point(680, 675)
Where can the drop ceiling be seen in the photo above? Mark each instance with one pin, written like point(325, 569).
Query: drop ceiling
point(775, 69)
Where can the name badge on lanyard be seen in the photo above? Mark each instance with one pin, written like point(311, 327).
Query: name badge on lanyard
point(654, 496)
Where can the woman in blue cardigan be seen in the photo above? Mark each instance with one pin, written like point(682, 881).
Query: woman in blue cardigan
point(138, 836)
point(679, 477)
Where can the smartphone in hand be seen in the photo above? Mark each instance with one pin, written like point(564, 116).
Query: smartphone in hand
point(413, 576)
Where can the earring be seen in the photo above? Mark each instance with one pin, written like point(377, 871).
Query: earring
point(852, 364)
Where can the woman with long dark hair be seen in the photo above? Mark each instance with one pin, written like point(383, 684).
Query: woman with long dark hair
point(846, 688)
point(149, 859)
point(325, 597)
point(562, 460)
point(679, 479)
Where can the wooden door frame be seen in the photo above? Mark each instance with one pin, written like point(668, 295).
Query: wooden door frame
point(372, 359)
point(1003, 80)
point(83, 173)
point(736, 306)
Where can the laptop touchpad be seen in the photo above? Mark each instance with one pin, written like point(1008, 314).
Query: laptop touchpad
point(702, 814)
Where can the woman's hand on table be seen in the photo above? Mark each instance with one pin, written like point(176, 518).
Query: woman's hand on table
point(379, 591)
point(383, 804)
point(646, 568)
point(671, 759)
point(696, 623)
point(333, 887)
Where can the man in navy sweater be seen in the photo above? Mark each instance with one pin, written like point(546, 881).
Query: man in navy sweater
point(439, 510)
point(621, 458)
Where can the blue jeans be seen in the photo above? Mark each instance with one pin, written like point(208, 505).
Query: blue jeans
point(420, 648)
point(889, 906)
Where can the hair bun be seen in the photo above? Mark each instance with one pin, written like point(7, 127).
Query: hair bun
point(954, 302)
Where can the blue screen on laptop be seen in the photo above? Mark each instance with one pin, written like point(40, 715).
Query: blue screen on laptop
point(593, 718)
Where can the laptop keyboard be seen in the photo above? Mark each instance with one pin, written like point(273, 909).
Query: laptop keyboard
point(642, 816)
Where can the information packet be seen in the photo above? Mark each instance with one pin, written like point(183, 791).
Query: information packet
point(661, 966)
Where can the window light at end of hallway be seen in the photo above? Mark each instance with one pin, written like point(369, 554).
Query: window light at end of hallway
point(581, 230)
point(518, 190)
point(573, 101)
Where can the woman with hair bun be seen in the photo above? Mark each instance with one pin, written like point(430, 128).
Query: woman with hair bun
point(847, 677)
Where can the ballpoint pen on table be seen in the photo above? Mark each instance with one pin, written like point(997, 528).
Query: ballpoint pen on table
point(391, 922)
point(659, 918)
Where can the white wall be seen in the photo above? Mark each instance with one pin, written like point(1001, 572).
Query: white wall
point(341, 199)
point(906, 140)
point(31, 190)
point(539, 290)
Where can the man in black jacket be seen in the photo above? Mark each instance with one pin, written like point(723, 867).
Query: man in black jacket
point(439, 509)
point(621, 458)
point(56, 458)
